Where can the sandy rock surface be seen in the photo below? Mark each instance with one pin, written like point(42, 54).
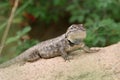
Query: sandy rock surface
point(102, 65)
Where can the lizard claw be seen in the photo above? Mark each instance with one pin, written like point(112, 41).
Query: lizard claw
point(90, 50)
point(94, 50)
point(67, 58)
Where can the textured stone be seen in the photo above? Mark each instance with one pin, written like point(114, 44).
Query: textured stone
point(102, 65)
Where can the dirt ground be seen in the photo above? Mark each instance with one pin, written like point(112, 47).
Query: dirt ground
point(102, 65)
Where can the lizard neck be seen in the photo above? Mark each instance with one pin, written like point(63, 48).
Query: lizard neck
point(68, 41)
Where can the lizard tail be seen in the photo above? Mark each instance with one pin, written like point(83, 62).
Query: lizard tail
point(21, 59)
point(10, 62)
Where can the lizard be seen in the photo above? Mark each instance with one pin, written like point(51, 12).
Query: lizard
point(71, 40)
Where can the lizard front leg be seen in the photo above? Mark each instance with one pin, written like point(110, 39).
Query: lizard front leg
point(64, 54)
point(88, 50)
point(81, 46)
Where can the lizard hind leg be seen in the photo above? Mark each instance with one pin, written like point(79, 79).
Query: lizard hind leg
point(34, 56)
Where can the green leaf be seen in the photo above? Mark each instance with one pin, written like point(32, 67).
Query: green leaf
point(19, 35)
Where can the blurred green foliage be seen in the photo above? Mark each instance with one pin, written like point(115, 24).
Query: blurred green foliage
point(101, 18)
point(18, 35)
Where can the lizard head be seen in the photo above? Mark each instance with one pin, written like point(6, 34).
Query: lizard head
point(76, 33)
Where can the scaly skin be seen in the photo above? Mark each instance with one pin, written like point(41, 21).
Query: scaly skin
point(60, 46)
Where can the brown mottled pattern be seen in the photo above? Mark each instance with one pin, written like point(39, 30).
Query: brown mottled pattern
point(53, 47)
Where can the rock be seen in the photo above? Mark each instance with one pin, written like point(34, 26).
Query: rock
point(102, 65)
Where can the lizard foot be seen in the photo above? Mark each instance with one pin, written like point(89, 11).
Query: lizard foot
point(90, 50)
point(67, 58)
point(93, 50)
